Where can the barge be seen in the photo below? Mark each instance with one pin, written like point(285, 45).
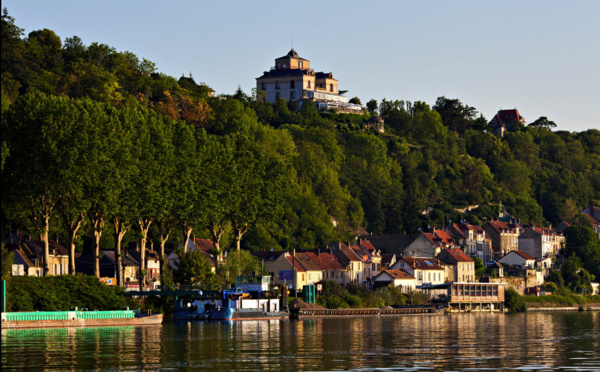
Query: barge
point(61, 319)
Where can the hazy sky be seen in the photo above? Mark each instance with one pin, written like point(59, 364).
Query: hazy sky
point(542, 57)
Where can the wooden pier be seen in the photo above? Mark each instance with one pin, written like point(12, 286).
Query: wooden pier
point(314, 313)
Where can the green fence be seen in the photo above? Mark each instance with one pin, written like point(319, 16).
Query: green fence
point(67, 315)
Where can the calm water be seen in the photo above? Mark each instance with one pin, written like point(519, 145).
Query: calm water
point(469, 342)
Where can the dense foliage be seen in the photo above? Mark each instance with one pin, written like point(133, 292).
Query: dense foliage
point(95, 136)
point(66, 292)
point(335, 296)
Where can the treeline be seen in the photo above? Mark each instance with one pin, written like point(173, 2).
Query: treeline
point(100, 148)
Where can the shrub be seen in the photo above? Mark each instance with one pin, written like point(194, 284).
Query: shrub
point(514, 302)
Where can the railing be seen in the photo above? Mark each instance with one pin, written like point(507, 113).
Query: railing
point(67, 315)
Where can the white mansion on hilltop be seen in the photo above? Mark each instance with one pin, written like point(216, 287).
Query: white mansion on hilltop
point(293, 80)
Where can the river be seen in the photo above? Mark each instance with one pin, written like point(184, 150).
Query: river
point(457, 342)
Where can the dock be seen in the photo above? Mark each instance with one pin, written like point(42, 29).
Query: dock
point(316, 313)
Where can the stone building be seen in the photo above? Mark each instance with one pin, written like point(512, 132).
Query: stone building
point(293, 79)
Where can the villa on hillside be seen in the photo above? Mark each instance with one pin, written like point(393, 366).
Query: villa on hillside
point(293, 80)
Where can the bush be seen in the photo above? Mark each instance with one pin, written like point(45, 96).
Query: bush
point(514, 302)
point(51, 293)
point(334, 302)
point(354, 301)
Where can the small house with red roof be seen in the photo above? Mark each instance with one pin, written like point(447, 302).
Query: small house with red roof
point(331, 266)
point(398, 278)
point(352, 260)
point(540, 242)
point(424, 270)
point(472, 240)
point(429, 244)
point(458, 266)
point(505, 120)
point(518, 258)
point(504, 236)
point(593, 212)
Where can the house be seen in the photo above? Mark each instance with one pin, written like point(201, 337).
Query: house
point(152, 263)
point(58, 259)
point(424, 270)
point(458, 266)
point(505, 120)
point(398, 278)
point(504, 236)
point(352, 261)
point(387, 260)
point(496, 270)
point(376, 123)
point(540, 242)
point(472, 240)
point(332, 268)
point(391, 244)
point(593, 212)
point(129, 265)
point(429, 244)
point(292, 79)
point(518, 258)
point(26, 262)
point(314, 272)
point(285, 269)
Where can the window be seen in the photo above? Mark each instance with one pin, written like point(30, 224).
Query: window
point(331, 87)
point(292, 95)
point(292, 84)
point(263, 86)
point(308, 86)
point(277, 95)
point(276, 85)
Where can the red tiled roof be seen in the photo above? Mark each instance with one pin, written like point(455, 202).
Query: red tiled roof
point(204, 244)
point(326, 260)
point(295, 264)
point(367, 245)
point(398, 274)
point(307, 262)
point(457, 254)
point(524, 255)
point(423, 263)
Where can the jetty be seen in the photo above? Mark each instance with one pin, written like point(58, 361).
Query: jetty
point(300, 313)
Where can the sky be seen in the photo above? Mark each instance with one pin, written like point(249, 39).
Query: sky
point(539, 56)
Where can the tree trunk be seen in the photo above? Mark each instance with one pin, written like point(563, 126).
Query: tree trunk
point(73, 225)
point(144, 224)
point(239, 232)
point(97, 220)
point(42, 223)
point(186, 230)
point(164, 229)
point(216, 232)
point(120, 231)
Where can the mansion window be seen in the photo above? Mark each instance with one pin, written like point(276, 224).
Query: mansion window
point(331, 87)
point(292, 95)
point(292, 84)
point(276, 85)
point(263, 86)
point(308, 86)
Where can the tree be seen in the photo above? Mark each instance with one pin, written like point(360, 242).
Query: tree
point(8, 258)
point(372, 106)
point(355, 100)
point(543, 123)
point(239, 262)
point(455, 115)
point(32, 182)
point(193, 269)
point(583, 243)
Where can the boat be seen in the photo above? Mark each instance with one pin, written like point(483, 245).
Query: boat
point(60, 319)
point(249, 299)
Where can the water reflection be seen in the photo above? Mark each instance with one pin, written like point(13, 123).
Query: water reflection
point(457, 342)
